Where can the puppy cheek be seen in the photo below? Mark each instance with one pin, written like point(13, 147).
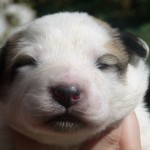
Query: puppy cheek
point(98, 107)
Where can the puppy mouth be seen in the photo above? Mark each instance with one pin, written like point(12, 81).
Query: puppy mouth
point(65, 123)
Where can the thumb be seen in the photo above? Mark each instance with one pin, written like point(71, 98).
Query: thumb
point(109, 141)
point(131, 133)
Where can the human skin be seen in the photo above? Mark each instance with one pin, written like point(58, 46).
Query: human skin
point(125, 137)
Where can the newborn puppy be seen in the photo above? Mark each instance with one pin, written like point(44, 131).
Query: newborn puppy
point(65, 78)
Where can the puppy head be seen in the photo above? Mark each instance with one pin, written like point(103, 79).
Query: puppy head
point(67, 76)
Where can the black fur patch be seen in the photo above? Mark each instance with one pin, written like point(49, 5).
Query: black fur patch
point(4, 54)
point(133, 44)
point(7, 52)
point(5, 59)
point(21, 61)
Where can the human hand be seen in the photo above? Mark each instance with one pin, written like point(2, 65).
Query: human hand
point(124, 137)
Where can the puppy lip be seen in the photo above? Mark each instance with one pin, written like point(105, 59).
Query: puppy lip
point(65, 123)
point(65, 118)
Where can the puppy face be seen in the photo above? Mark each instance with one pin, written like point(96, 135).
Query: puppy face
point(67, 76)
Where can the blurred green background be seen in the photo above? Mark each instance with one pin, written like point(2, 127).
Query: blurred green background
point(128, 15)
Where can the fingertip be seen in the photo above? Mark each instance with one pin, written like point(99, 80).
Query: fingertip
point(130, 133)
point(107, 140)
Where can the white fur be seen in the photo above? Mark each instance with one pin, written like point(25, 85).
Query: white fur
point(66, 46)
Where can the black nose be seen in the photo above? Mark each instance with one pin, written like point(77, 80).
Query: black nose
point(66, 95)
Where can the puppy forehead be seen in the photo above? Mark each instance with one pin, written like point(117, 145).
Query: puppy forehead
point(68, 33)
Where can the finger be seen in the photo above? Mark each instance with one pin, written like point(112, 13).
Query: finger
point(24, 143)
point(130, 139)
point(108, 142)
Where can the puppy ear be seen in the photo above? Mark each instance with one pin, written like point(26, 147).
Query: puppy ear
point(4, 51)
point(7, 52)
point(135, 47)
point(3, 55)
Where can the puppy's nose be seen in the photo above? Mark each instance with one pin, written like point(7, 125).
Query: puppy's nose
point(67, 96)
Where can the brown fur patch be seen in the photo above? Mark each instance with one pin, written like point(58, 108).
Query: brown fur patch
point(115, 46)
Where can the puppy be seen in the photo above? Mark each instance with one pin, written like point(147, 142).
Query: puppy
point(66, 77)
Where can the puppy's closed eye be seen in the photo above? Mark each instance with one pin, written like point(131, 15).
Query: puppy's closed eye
point(24, 60)
point(109, 62)
point(106, 61)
